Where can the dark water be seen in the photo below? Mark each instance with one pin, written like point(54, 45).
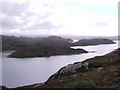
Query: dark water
point(19, 72)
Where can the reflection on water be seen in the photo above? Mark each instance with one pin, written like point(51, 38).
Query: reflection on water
point(17, 72)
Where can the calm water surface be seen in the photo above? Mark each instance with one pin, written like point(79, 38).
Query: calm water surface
point(19, 72)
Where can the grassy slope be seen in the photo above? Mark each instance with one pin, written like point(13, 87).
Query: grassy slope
point(103, 73)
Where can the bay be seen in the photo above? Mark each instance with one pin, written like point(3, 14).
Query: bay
point(25, 71)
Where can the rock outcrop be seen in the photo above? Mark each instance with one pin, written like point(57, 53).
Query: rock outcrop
point(71, 68)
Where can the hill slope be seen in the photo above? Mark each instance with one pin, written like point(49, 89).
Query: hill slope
point(97, 72)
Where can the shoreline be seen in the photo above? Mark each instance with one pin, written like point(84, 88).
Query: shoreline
point(33, 83)
point(41, 85)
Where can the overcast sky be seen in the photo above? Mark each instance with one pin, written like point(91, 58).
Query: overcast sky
point(51, 17)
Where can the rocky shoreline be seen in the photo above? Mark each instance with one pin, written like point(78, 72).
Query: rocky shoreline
point(97, 72)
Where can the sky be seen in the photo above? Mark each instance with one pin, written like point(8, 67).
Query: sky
point(59, 17)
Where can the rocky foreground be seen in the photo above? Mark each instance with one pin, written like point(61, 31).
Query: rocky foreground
point(97, 72)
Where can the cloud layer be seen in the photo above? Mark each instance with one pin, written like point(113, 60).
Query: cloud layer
point(76, 17)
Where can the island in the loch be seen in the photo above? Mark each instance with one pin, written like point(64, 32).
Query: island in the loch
point(97, 72)
point(45, 51)
point(25, 47)
point(86, 42)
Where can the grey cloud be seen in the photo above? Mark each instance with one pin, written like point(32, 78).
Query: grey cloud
point(10, 11)
point(9, 23)
point(13, 9)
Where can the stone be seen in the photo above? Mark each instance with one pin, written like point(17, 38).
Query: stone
point(85, 64)
point(100, 68)
point(73, 76)
point(61, 81)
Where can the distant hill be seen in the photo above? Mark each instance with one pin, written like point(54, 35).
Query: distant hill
point(54, 41)
point(12, 43)
point(46, 46)
point(86, 42)
point(91, 37)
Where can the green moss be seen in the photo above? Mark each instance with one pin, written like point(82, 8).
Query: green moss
point(81, 84)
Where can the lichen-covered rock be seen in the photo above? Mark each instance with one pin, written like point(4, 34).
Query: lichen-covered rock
point(86, 64)
point(71, 68)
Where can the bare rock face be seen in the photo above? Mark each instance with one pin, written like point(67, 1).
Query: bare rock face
point(71, 68)
point(86, 64)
